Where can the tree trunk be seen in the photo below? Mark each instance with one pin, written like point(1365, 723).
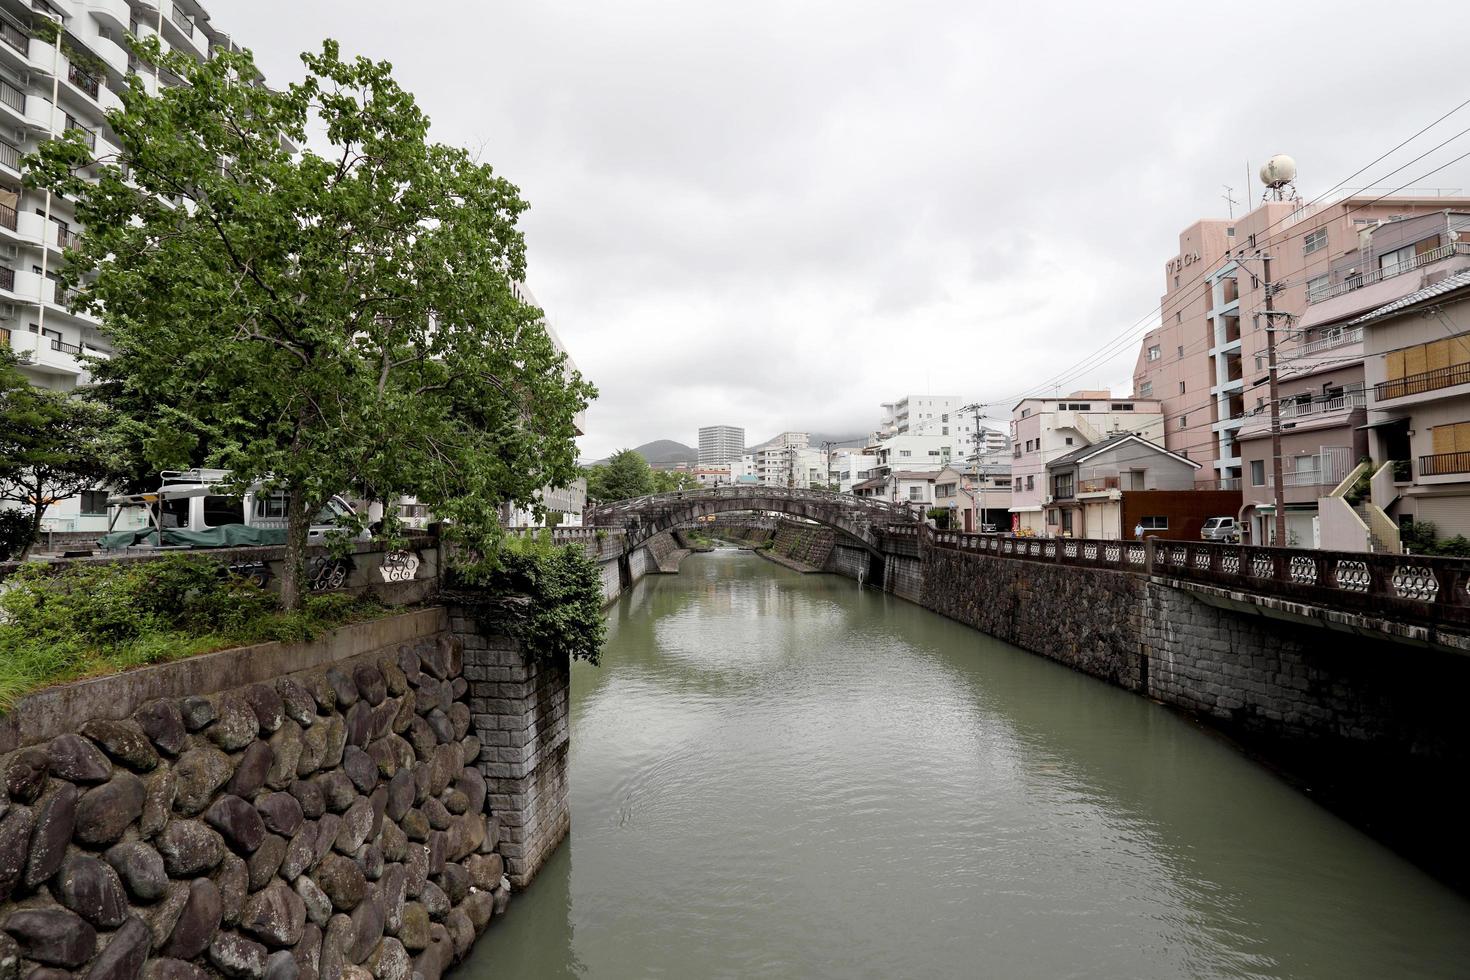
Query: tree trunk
point(38, 511)
point(298, 524)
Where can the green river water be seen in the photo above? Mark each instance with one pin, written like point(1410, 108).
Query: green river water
point(779, 775)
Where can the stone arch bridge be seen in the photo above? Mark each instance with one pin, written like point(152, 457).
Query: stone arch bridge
point(855, 517)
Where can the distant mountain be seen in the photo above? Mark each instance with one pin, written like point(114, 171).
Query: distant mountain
point(664, 452)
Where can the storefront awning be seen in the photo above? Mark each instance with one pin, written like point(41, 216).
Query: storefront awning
point(1382, 423)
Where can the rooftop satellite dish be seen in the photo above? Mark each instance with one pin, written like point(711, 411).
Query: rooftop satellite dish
point(1279, 176)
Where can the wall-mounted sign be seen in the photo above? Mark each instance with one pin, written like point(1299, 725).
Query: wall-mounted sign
point(1181, 261)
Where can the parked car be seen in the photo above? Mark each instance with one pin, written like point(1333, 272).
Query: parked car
point(1220, 529)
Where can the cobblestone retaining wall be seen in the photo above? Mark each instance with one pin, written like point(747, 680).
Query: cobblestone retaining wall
point(325, 824)
point(808, 544)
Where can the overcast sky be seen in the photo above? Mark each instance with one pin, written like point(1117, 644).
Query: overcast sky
point(780, 214)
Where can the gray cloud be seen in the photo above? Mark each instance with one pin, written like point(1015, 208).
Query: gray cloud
point(778, 214)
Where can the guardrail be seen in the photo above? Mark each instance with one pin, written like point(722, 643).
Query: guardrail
point(1415, 586)
point(1417, 384)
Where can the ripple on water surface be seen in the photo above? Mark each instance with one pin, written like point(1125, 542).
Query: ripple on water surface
point(779, 775)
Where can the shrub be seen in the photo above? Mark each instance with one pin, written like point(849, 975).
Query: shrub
point(63, 621)
point(15, 533)
point(547, 596)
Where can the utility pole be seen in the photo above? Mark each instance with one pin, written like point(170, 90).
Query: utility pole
point(1278, 495)
point(827, 449)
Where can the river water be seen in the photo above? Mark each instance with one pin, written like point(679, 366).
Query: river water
point(778, 775)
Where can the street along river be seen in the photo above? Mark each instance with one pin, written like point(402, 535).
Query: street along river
point(778, 775)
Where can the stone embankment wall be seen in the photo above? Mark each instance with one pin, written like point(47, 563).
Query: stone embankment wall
point(810, 545)
point(750, 535)
point(1090, 619)
point(325, 823)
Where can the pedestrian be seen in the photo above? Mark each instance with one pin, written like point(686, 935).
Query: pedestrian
point(1138, 530)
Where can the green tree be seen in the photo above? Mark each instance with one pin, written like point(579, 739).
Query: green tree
point(666, 481)
point(51, 445)
point(342, 317)
point(625, 474)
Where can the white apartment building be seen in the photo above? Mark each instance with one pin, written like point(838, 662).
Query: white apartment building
point(851, 467)
point(916, 452)
point(943, 416)
point(1044, 428)
point(85, 68)
point(719, 444)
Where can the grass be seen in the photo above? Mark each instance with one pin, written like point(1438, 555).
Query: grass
point(62, 623)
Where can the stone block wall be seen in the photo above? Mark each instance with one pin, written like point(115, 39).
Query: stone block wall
point(519, 707)
point(848, 561)
point(1087, 618)
point(324, 824)
point(904, 577)
point(808, 544)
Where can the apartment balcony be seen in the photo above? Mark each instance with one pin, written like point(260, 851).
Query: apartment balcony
point(1098, 484)
point(113, 55)
point(1444, 464)
point(113, 14)
point(83, 81)
point(47, 355)
point(1317, 407)
point(14, 38)
point(181, 31)
point(1358, 281)
point(10, 155)
point(1331, 350)
point(1424, 383)
point(12, 102)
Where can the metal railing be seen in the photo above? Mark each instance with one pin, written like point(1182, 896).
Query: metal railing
point(7, 278)
point(1433, 589)
point(12, 96)
point(1098, 484)
point(14, 36)
point(88, 136)
point(1443, 464)
point(1416, 384)
point(83, 80)
point(1387, 272)
point(9, 217)
point(1337, 338)
point(9, 155)
point(872, 510)
point(1324, 406)
point(182, 20)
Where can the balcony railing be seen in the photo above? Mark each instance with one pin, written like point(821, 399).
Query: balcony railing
point(1338, 338)
point(1063, 493)
point(14, 36)
point(9, 218)
point(83, 80)
point(1098, 484)
point(12, 96)
point(9, 155)
point(1358, 281)
point(1443, 464)
point(182, 20)
point(1417, 384)
point(1324, 406)
point(65, 237)
point(7, 278)
point(88, 136)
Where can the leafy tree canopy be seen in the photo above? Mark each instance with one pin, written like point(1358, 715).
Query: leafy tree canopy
point(338, 318)
point(625, 474)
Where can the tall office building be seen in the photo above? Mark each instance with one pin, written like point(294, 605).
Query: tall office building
point(47, 88)
point(720, 444)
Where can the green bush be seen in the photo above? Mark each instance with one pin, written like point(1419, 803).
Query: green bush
point(63, 621)
point(15, 533)
point(548, 596)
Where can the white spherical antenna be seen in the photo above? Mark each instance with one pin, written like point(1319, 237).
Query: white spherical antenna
point(1279, 171)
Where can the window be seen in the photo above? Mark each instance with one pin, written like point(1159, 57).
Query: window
point(1260, 362)
point(1123, 407)
point(1176, 282)
point(1258, 472)
point(273, 506)
point(1318, 286)
point(1181, 387)
point(944, 490)
point(944, 418)
point(1025, 412)
point(1154, 523)
point(904, 453)
point(1178, 316)
point(1018, 483)
point(1255, 281)
point(1146, 390)
point(1062, 485)
point(916, 493)
point(944, 431)
point(1314, 241)
point(223, 510)
point(1066, 522)
point(1069, 440)
point(94, 501)
point(1184, 421)
point(1153, 353)
point(933, 452)
point(1181, 350)
point(1031, 483)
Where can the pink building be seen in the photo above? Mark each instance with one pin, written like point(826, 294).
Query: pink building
point(1206, 361)
point(1043, 429)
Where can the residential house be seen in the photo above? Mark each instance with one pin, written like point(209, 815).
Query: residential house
point(1044, 428)
point(1109, 490)
point(977, 494)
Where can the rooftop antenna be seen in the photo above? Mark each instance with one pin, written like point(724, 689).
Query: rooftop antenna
point(1279, 176)
point(1230, 200)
